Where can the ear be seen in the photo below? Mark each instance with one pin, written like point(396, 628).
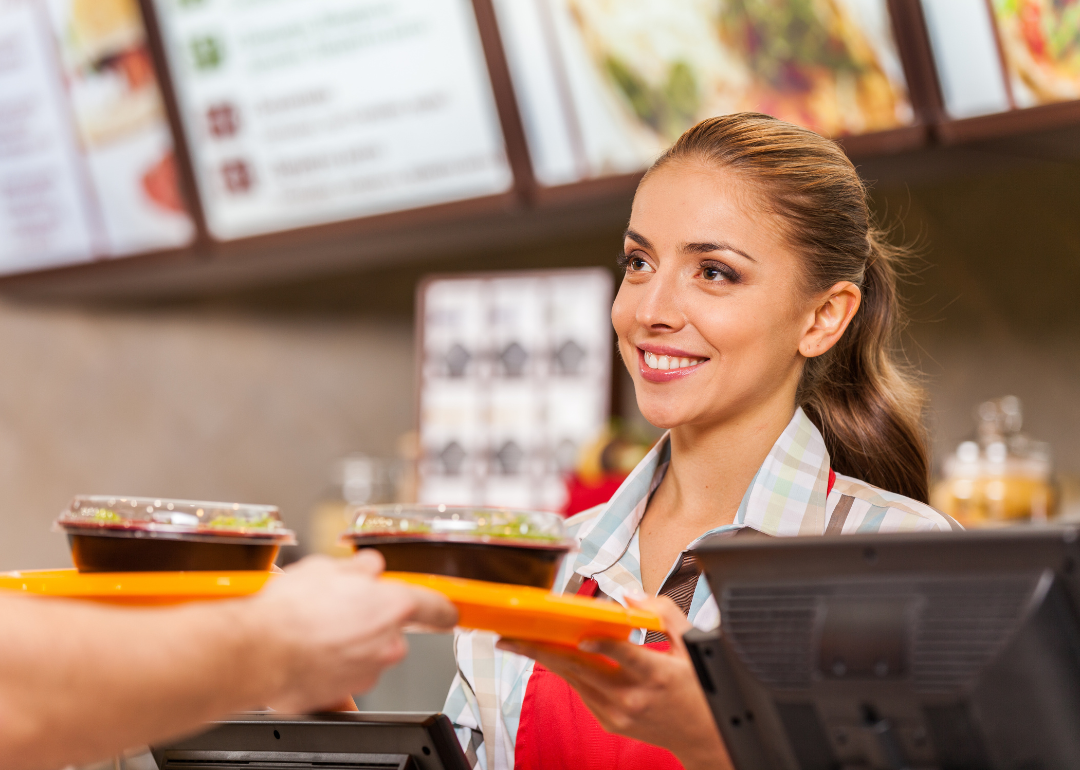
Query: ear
point(834, 310)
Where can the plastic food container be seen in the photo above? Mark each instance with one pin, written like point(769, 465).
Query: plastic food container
point(496, 545)
point(141, 534)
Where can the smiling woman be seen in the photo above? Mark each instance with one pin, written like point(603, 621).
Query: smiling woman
point(757, 317)
point(748, 185)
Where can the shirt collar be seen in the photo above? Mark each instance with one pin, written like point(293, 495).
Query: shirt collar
point(786, 497)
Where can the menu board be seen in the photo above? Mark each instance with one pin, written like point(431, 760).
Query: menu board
point(304, 113)
point(515, 378)
point(86, 156)
point(997, 55)
point(604, 87)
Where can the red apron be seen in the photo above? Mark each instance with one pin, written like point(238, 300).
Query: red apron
point(557, 731)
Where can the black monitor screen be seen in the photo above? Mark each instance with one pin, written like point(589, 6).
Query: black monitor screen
point(932, 650)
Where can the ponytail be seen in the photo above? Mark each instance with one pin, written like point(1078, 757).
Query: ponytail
point(867, 405)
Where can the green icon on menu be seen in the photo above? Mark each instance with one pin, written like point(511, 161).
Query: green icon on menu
point(207, 52)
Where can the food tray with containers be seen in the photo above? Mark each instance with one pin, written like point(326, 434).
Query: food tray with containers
point(496, 565)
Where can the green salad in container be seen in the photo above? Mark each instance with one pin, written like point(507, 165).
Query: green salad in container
point(492, 544)
point(124, 534)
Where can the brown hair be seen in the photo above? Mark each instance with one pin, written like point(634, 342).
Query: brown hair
point(865, 402)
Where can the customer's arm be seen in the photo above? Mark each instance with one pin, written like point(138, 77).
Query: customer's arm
point(79, 682)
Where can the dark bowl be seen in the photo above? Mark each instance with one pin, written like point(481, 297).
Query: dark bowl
point(112, 553)
point(495, 563)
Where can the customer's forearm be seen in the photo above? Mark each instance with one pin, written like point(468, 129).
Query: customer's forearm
point(79, 682)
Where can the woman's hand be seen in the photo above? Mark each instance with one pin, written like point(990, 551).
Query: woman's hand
point(640, 693)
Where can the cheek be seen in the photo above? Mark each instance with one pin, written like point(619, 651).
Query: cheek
point(757, 333)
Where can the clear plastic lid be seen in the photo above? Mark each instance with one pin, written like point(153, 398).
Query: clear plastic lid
point(188, 519)
point(464, 524)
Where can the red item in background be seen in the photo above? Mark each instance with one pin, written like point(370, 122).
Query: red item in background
point(582, 496)
point(136, 66)
point(161, 186)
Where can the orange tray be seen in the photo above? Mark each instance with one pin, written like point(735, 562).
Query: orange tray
point(522, 612)
point(518, 612)
point(135, 588)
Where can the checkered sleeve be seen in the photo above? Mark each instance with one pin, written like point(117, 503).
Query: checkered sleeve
point(463, 710)
point(870, 509)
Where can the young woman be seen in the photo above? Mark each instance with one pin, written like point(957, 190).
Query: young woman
point(757, 317)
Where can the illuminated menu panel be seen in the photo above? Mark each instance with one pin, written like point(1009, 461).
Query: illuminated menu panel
point(515, 378)
point(1004, 54)
point(604, 87)
point(304, 113)
point(44, 219)
point(86, 157)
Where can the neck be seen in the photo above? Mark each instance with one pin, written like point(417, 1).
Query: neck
point(712, 466)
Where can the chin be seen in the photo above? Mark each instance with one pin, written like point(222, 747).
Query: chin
point(660, 417)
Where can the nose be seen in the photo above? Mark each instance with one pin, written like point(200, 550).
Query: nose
point(658, 308)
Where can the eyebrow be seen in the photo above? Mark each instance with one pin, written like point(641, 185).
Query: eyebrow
point(638, 238)
point(690, 248)
point(705, 248)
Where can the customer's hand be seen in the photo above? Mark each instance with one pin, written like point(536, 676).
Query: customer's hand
point(332, 627)
point(640, 693)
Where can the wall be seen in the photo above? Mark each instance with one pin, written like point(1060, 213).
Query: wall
point(190, 402)
point(995, 298)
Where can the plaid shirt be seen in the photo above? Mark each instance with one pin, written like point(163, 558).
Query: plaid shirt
point(788, 496)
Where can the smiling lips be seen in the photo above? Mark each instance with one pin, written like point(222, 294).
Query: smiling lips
point(656, 367)
point(666, 363)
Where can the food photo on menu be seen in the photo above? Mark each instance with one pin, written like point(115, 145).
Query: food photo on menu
point(120, 116)
point(1040, 40)
point(632, 75)
point(827, 65)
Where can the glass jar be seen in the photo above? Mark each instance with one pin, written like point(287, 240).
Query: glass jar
point(1002, 477)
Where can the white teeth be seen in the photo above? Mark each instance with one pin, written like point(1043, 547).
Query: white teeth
point(664, 363)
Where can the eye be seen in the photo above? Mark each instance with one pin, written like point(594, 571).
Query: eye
point(634, 263)
point(718, 272)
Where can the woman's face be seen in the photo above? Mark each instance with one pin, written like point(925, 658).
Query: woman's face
point(710, 315)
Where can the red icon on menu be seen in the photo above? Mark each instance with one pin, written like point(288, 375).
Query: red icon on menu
point(237, 176)
point(223, 120)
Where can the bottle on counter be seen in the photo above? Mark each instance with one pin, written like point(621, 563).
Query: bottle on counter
point(1001, 477)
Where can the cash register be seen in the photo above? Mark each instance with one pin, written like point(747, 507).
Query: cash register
point(337, 741)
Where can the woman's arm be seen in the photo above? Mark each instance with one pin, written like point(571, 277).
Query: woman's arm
point(641, 693)
point(80, 682)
